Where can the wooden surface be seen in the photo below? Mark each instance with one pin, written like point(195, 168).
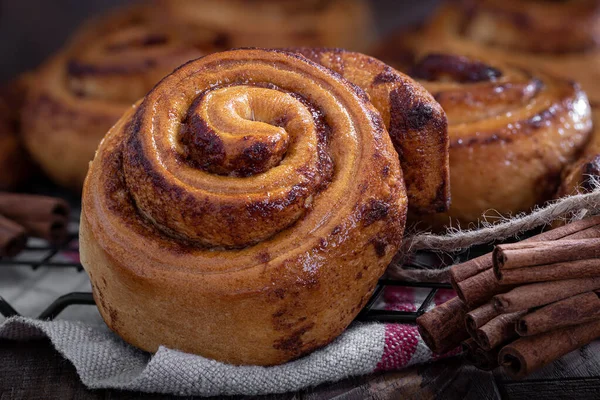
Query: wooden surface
point(33, 370)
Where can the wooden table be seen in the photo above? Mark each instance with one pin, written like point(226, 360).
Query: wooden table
point(33, 370)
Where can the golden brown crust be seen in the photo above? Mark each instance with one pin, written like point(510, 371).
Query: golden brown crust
point(415, 122)
point(558, 37)
point(283, 23)
point(512, 131)
point(82, 91)
point(243, 266)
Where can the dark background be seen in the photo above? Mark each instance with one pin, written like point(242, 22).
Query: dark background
point(30, 30)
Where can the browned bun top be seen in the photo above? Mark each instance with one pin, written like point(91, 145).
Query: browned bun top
point(505, 100)
point(561, 37)
point(536, 50)
point(114, 60)
point(248, 182)
point(119, 57)
point(238, 128)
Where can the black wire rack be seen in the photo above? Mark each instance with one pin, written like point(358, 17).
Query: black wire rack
point(42, 255)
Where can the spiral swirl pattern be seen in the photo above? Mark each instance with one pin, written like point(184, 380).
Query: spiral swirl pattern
point(415, 122)
point(512, 131)
point(247, 206)
point(276, 140)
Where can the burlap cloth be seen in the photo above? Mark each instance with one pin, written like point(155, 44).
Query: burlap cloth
point(103, 360)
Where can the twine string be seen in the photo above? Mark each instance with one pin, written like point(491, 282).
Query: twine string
point(573, 207)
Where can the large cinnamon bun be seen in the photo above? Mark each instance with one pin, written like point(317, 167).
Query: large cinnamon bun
point(82, 91)
point(512, 131)
point(282, 23)
point(246, 207)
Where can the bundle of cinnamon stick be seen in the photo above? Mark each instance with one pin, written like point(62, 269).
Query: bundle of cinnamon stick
point(23, 215)
point(525, 304)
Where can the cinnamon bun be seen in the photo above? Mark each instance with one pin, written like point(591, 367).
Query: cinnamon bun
point(245, 208)
point(560, 37)
point(82, 91)
point(512, 131)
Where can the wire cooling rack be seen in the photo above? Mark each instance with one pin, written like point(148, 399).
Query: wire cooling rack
point(42, 255)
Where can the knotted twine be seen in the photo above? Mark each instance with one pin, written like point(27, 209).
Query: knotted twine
point(571, 208)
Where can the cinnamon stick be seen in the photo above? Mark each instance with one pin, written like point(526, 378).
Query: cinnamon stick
point(527, 354)
point(442, 328)
point(479, 289)
point(473, 281)
point(539, 294)
point(12, 237)
point(526, 254)
point(552, 272)
point(499, 330)
point(568, 312)
point(20, 207)
point(468, 269)
point(480, 316)
point(574, 230)
point(53, 228)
